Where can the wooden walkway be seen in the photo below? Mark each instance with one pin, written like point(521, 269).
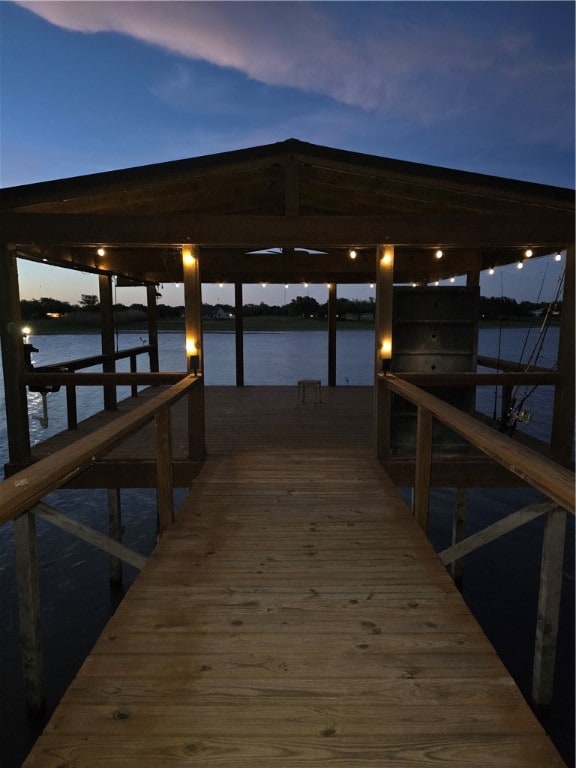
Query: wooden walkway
point(294, 614)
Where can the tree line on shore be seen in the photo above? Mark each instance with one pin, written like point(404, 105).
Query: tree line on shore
point(491, 308)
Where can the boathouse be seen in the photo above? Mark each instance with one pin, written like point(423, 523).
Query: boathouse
point(293, 609)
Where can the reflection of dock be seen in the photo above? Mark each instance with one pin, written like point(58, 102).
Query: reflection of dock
point(294, 612)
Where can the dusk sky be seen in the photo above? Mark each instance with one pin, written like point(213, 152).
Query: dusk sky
point(96, 86)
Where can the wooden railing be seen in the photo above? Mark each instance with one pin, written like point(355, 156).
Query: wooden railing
point(49, 371)
point(553, 480)
point(22, 492)
point(23, 489)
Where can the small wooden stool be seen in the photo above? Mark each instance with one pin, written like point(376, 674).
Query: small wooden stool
point(313, 386)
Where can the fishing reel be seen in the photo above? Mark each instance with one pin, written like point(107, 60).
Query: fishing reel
point(520, 416)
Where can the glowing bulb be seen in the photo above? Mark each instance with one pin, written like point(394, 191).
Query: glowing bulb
point(437, 282)
point(26, 331)
point(558, 257)
point(386, 348)
point(491, 271)
point(264, 285)
point(519, 265)
point(414, 285)
point(305, 285)
point(101, 252)
point(286, 285)
point(221, 285)
point(352, 254)
point(439, 254)
point(386, 260)
point(371, 285)
point(191, 347)
point(452, 279)
point(187, 257)
point(528, 253)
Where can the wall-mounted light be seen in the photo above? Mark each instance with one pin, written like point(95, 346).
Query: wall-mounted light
point(101, 252)
point(26, 331)
point(187, 258)
point(385, 354)
point(387, 259)
point(193, 356)
point(439, 253)
point(491, 271)
point(558, 257)
point(352, 253)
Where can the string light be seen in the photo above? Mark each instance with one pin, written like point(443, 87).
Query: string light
point(437, 282)
point(558, 257)
point(528, 253)
point(491, 271)
point(519, 265)
point(101, 252)
point(452, 279)
point(264, 285)
point(352, 253)
point(439, 254)
point(305, 285)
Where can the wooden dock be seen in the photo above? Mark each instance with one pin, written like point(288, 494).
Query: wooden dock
point(294, 614)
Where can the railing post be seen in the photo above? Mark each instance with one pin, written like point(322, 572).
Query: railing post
point(383, 415)
point(152, 327)
point(458, 532)
point(71, 410)
point(29, 612)
point(196, 422)
point(164, 483)
point(107, 336)
point(115, 532)
point(332, 289)
point(548, 608)
point(133, 369)
point(421, 497)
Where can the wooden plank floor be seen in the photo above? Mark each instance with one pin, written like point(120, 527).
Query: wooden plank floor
point(293, 615)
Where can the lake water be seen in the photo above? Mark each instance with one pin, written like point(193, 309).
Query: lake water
point(501, 579)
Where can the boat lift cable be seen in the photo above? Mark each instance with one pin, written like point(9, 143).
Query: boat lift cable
point(516, 410)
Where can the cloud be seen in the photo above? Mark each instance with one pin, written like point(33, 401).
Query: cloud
point(418, 64)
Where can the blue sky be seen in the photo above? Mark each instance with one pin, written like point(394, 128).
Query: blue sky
point(95, 86)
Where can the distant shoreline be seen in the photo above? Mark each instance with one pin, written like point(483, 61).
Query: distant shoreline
point(251, 325)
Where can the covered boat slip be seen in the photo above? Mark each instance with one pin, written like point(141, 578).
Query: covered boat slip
point(294, 613)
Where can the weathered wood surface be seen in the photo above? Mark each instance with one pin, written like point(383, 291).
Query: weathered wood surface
point(294, 614)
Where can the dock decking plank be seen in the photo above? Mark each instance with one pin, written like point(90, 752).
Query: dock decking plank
point(293, 615)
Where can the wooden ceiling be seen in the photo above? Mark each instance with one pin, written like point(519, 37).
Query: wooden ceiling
point(285, 212)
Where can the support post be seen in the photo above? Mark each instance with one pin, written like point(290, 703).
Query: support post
point(548, 608)
point(71, 410)
point(458, 533)
point(133, 369)
point(107, 336)
point(239, 334)
point(115, 532)
point(383, 416)
point(421, 496)
point(13, 359)
point(28, 586)
point(332, 290)
point(194, 350)
point(164, 482)
point(152, 327)
point(563, 415)
point(383, 340)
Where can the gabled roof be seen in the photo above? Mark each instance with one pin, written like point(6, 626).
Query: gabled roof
point(288, 195)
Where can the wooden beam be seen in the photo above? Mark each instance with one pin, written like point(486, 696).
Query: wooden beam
point(164, 480)
point(495, 531)
point(122, 378)
point(295, 231)
point(510, 366)
point(16, 404)
point(562, 438)
point(470, 379)
point(239, 333)
point(332, 291)
point(28, 587)
point(548, 608)
point(107, 337)
point(152, 326)
point(421, 498)
point(89, 535)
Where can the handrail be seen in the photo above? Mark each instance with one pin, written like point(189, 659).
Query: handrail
point(97, 379)
point(20, 491)
point(508, 365)
point(474, 379)
point(88, 362)
point(554, 481)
